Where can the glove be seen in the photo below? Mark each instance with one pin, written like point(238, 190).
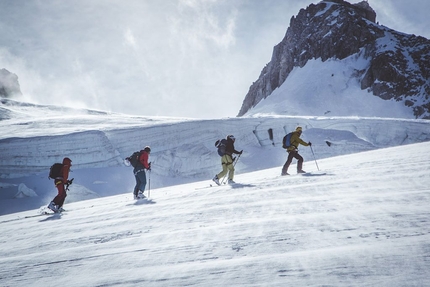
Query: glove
point(309, 143)
point(241, 152)
point(149, 166)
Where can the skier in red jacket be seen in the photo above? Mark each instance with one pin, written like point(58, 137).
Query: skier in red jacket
point(56, 205)
point(139, 173)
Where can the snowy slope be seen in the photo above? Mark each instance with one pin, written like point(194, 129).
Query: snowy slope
point(329, 88)
point(366, 222)
point(33, 137)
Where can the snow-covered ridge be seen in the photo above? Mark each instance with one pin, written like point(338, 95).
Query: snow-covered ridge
point(182, 149)
point(31, 143)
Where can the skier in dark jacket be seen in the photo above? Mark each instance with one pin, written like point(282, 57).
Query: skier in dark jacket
point(139, 173)
point(227, 161)
point(294, 153)
point(56, 205)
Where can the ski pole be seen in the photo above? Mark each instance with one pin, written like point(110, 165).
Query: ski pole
point(315, 158)
point(69, 182)
point(236, 160)
point(149, 184)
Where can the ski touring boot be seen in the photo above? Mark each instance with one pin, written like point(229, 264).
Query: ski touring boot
point(52, 206)
point(216, 180)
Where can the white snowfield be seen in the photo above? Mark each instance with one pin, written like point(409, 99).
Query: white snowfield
point(34, 137)
point(362, 220)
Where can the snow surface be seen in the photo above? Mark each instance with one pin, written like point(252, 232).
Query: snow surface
point(365, 222)
point(329, 88)
point(34, 137)
point(360, 218)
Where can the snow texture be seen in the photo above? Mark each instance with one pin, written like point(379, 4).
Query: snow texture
point(360, 217)
point(365, 222)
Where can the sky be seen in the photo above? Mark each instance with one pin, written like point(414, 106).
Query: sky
point(179, 58)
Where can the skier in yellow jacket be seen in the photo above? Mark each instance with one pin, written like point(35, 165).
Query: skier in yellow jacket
point(293, 152)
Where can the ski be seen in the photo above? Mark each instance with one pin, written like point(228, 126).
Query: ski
point(232, 185)
point(208, 186)
point(44, 213)
point(144, 200)
point(212, 185)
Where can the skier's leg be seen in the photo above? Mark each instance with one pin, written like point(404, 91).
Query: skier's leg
point(224, 162)
point(142, 178)
point(230, 172)
point(59, 199)
point(136, 187)
point(299, 162)
point(62, 199)
point(288, 162)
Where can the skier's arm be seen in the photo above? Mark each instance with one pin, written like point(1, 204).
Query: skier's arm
point(144, 160)
point(237, 152)
point(302, 142)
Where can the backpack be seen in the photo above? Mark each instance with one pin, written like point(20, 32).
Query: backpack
point(55, 170)
point(221, 144)
point(134, 158)
point(286, 141)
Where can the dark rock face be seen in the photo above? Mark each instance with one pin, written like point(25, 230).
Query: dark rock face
point(399, 64)
point(9, 85)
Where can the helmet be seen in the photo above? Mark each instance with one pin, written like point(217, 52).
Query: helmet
point(147, 149)
point(299, 129)
point(231, 137)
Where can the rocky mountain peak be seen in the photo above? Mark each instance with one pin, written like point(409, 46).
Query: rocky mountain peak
point(9, 84)
point(397, 63)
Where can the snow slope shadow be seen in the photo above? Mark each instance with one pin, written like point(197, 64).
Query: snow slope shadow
point(241, 185)
point(143, 202)
point(50, 217)
point(316, 174)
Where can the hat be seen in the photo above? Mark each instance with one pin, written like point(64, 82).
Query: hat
point(231, 137)
point(298, 129)
point(147, 149)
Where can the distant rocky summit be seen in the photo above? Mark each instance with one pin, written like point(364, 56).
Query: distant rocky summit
point(9, 85)
point(398, 64)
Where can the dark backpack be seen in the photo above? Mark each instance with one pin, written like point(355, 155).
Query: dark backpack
point(221, 144)
point(286, 141)
point(134, 158)
point(55, 170)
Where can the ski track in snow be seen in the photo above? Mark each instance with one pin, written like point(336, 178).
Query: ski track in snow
point(365, 223)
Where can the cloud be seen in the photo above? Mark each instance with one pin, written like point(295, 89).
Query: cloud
point(129, 38)
point(194, 58)
point(404, 16)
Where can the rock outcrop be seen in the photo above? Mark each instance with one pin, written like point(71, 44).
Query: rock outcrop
point(9, 85)
point(399, 64)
